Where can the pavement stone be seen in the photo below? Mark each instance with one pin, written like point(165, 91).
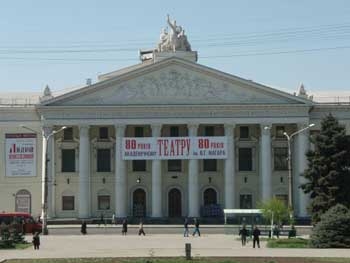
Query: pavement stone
point(158, 245)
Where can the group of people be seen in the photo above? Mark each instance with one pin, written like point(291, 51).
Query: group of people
point(196, 227)
point(256, 236)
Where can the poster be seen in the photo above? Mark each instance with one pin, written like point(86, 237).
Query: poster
point(20, 154)
point(167, 148)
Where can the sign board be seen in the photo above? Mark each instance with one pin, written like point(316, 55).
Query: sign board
point(166, 148)
point(20, 154)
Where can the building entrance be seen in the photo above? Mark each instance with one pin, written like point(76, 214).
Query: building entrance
point(139, 203)
point(174, 203)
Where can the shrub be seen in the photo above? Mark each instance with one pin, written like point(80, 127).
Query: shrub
point(333, 231)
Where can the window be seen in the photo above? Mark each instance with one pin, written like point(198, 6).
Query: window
point(245, 162)
point(103, 131)
point(138, 132)
point(68, 134)
point(279, 131)
point(245, 201)
point(104, 202)
point(174, 131)
point(68, 160)
point(174, 165)
point(139, 165)
point(209, 131)
point(280, 158)
point(67, 203)
point(209, 165)
point(103, 160)
point(244, 132)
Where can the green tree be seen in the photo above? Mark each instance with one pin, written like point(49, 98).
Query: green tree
point(328, 173)
point(276, 208)
point(333, 230)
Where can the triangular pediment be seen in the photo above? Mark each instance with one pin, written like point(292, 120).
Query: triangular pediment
point(174, 82)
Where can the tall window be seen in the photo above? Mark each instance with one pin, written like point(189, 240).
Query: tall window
point(209, 165)
point(103, 132)
point(68, 160)
point(138, 132)
point(244, 132)
point(174, 165)
point(279, 131)
point(68, 134)
point(280, 158)
point(174, 131)
point(104, 202)
point(139, 165)
point(67, 203)
point(103, 160)
point(245, 201)
point(245, 160)
point(209, 131)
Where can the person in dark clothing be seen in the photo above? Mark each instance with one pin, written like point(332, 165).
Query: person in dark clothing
point(243, 233)
point(141, 231)
point(256, 234)
point(124, 227)
point(102, 220)
point(196, 227)
point(186, 227)
point(36, 241)
point(83, 228)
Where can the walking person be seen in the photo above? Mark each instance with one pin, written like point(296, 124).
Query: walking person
point(243, 233)
point(256, 234)
point(141, 231)
point(36, 241)
point(83, 227)
point(196, 228)
point(186, 232)
point(114, 220)
point(124, 227)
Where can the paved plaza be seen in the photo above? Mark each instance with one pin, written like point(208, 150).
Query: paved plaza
point(156, 245)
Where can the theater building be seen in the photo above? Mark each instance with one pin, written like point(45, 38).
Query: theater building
point(165, 138)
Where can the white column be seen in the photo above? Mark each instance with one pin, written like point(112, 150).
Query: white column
point(84, 172)
point(120, 174)
point(193, 187)
point(302, 145)
point(156, 179)
point(265, 155)
point(50, 173)
point(230, 167)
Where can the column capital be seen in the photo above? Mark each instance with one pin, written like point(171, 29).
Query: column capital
point(192, 129)
point(120, 129)
point(156, 129)
point(47, 130)
point(265, 128)
point(229, 128)
point(84, 130)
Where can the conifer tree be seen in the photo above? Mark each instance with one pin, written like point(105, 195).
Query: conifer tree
point(328, 172)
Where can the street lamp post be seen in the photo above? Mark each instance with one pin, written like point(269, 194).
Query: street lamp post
point(290, 181)
point(44, 206)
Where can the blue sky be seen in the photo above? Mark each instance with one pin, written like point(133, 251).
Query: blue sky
point(280, 43)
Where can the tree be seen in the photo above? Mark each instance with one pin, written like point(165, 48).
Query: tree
point(274, 208)
point(328, 173)
point(333, 230)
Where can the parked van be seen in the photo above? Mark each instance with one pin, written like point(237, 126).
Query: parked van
point(24, 222)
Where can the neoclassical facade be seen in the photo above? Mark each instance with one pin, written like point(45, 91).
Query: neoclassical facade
point(168, 95)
